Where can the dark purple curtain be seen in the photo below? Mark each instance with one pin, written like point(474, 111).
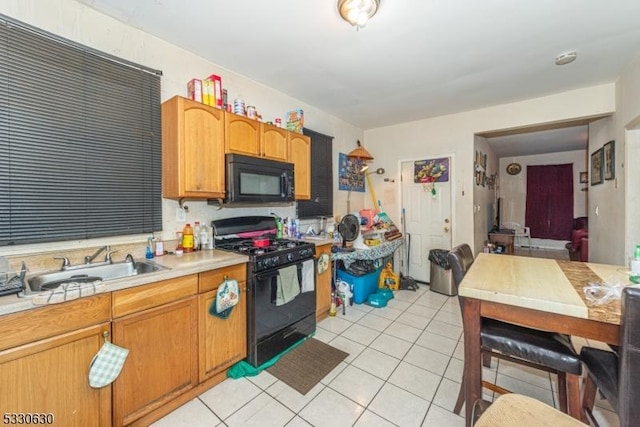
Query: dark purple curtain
point(549, 209)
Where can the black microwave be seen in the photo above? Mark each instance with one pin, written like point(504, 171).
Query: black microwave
point(254, 180)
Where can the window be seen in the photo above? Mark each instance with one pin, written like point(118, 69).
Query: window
point(80, 143)
point(321, 203)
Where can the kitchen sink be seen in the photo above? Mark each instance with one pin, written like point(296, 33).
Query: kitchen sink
point(91, 273)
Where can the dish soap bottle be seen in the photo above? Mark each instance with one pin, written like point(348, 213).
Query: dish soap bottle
point(634, 274)
point(187, 238)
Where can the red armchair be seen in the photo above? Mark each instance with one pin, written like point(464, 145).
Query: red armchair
point(578, 247)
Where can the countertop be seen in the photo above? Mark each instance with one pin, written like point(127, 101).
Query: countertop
point(177, 266)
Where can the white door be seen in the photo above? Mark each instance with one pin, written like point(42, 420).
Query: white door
point(428, 219)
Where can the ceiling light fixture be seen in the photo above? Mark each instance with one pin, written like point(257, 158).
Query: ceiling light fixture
point(358, 12)
point(566, 58)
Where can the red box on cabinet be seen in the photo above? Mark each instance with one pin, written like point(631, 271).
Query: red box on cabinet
point(217, 89)
point(194, 89)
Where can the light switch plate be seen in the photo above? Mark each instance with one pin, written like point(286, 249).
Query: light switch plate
point(181, 215)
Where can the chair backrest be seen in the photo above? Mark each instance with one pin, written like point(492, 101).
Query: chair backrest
point(460, 259)
point(629, 352)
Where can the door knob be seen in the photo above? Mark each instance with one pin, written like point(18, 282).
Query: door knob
point(446, 229)
point(446, 220)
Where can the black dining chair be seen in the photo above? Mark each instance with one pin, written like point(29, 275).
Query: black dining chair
point(617, 373)
point(547, 351)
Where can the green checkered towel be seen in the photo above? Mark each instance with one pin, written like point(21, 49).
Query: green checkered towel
point(106, 365)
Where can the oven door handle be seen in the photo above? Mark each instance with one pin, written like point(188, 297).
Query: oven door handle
point(265, 276)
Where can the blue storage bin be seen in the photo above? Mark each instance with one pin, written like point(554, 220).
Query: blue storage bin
point(363, 286)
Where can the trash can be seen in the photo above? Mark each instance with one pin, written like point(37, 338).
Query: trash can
point(440, 278)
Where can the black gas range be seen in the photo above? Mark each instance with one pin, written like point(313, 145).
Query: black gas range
point(277, 252)
point(273, 323)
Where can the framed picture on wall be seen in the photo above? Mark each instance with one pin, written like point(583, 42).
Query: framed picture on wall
point(584, 177)
point(597, 172)
point(609, 160)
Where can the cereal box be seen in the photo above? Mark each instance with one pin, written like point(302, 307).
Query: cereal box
point(208, 96)
point(295, 120)
point(217, 89)
point(194, 90)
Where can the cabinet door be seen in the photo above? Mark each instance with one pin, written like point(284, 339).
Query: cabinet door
point(50, 376)
point(274, 142)
point(162, 361)
point(242, 135)
point(323, 284)
point(192, 150)
point(300, 156)
point(223, 342)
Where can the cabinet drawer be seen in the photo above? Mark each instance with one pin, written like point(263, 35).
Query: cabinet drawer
point(32, 325)
point(132, 300)
point(210, 280)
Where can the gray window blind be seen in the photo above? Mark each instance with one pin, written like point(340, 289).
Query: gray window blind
point(80, 143)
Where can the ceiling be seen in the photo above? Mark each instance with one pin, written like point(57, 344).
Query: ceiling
point(415, 59)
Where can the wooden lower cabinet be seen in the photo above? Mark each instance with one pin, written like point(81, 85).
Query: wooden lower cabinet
point(223, 342)
point(177, 350)
point(323, 284)
point(49, 378)
point(162, 361)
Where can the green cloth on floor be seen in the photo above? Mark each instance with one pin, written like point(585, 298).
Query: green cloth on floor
point(244, 369)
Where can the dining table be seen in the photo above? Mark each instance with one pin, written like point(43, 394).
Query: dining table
point(569, 297)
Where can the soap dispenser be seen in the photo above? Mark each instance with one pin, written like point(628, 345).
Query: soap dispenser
point(149, 252)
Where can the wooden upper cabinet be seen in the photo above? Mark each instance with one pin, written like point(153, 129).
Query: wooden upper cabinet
point(300, 156)
point(192, 150)
point(242, 135)
point(274, 143)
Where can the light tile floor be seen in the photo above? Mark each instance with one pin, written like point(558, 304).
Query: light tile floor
point(404, 369)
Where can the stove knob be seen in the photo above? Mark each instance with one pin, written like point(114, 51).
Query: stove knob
point(290, 257)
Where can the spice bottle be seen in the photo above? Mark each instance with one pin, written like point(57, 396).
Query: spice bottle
point(187, 238)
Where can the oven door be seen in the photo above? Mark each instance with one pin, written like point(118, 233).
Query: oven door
point(273, 328)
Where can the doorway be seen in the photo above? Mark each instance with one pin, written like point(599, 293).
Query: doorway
point(427, 218)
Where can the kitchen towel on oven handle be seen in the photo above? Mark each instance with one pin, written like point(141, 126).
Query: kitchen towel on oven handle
point(288, 286)
point(308, 276)
point(227, 296)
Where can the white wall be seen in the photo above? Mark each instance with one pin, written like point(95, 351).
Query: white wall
point(513, 188)
point(602, 209)
point(627, 136)
point(455, 134)
point(79, 23)
point(484, 198)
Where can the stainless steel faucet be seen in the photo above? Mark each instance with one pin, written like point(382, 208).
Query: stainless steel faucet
point(88, 259)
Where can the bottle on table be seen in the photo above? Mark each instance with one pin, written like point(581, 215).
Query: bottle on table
point(187, 238)
point(634, 266)
point(196, 236)
point(203, 237)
